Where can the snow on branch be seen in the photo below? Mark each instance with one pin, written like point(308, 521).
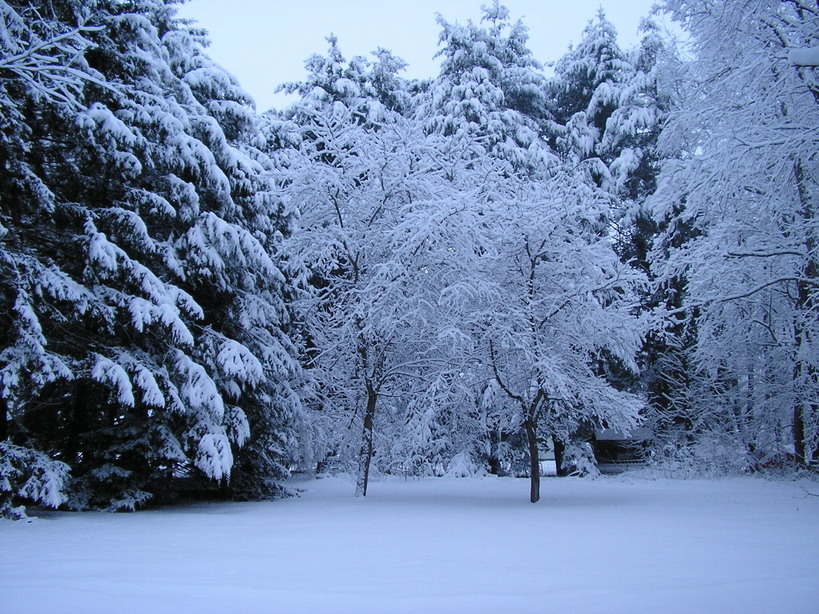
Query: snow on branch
point(807, 56)
point(52, 67)
point(107, 371)
point(214, 457)
point(30, 474)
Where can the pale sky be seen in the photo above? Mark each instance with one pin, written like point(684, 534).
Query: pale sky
point(265, 42)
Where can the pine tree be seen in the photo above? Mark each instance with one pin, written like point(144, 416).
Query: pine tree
point(490, 89)
point(370, 87)
point(143, 265)
point(584, 94)
point(43, 66)
point(586, 75)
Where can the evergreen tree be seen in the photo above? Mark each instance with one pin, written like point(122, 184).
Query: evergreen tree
point(145, 338)
point(370, 87)
point(586, 76)
point(585, 93)
point(490, 89)
point(609, 108)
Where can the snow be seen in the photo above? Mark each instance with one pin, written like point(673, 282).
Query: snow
point(436, 545)
point(214, 457)
point(107, 371)
point(147, 384)
point(197, 389)
point(239, 363)
point(804, 57)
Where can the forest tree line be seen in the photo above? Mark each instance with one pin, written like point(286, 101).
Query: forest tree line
point(402, 276)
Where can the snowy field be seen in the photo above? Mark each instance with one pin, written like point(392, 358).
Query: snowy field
point(437, 545)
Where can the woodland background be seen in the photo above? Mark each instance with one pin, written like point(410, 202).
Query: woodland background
point(395, 276)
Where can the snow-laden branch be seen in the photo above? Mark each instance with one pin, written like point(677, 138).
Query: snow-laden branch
point(808, 56)
point(728, 299)
point(500, 380)
point(568, 300)
point(50, 66)
point(765, 254)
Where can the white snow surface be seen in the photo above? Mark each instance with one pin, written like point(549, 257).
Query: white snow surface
point(621, 544)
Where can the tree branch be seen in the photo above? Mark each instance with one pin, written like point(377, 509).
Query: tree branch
point(765, 254)
point(498, 378)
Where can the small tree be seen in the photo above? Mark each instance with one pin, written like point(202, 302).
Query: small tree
point(365, 299)
point(563, 302)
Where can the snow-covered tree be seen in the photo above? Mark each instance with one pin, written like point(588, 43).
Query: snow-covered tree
point(385, 209)
point(586, 78)
point(608, 107)
point(562, 302)
point(628, 143)
point(443, 428)
point(143, 301)
point(490, 88)
point(362, 305)
point(747, 186)
point(42, 61)
point(369, 86)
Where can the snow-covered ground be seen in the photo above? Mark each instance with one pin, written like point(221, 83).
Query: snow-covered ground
point(437, 545)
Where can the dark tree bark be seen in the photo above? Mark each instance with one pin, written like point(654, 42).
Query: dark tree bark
point(805, 303)
point(4, 423)
point(560, 447)
point(529, 410)
point(534, 459)
point(366, 453)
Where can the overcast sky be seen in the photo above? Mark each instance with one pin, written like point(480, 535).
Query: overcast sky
point(265, 42)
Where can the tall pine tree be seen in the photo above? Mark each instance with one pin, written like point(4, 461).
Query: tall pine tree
point(146, 323)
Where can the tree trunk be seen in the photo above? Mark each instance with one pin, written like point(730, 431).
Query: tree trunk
point(805, 304)
point(493, 460)
point(560, 470)
point(534, 460)
point(799, 433)
point(4, 420)
point(366, 453)
point(80, 421)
